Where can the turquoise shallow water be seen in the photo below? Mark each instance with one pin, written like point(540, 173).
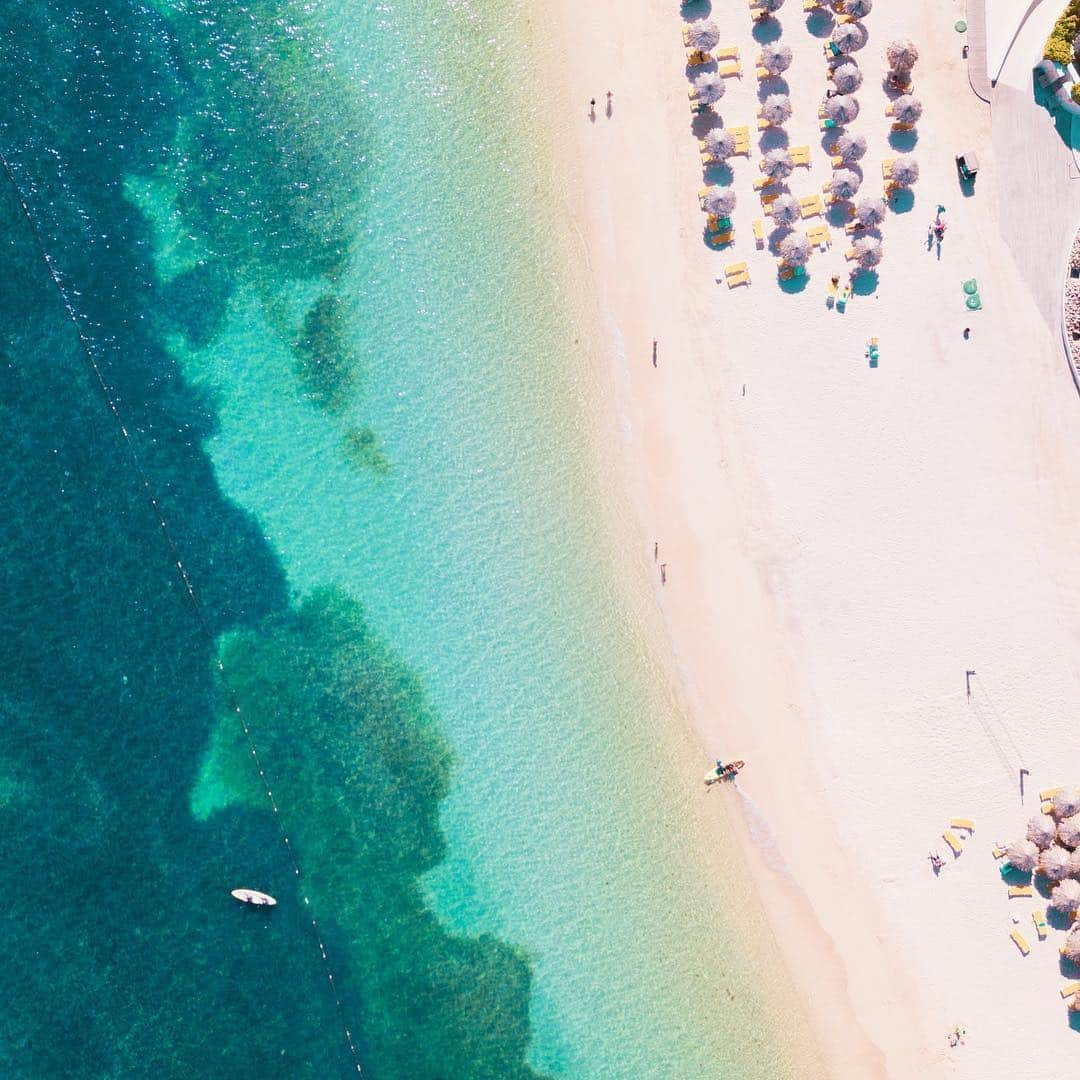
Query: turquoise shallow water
point(312, 245)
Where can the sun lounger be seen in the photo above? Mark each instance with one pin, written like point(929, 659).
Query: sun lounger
point(697, 57)
point(762, 123)
point(1049, 793)
point(811, 5)
point(701, 193)
point(726, 52)
point(1069, 989)
point(1039, 919)
point(720, 239)
point(998, 853)
point(1046, 808)
point(759, 231)
point(800, 155)
point(768, 200)
point(763, 182)
point(949, 837)
point(1021, 944)
point(819, 236)
point(741, 134)
point(836, 162)
point(826, 125)
point(962, 823)
point(763, 73)
point(890, 109)
point(1018, 892)
point(738, 279)
point(811, 206)
point(886, 168)
point(732, 67)
point(735, 268)
point(901, 126)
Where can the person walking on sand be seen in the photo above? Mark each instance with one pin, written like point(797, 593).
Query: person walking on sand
point(663, 573)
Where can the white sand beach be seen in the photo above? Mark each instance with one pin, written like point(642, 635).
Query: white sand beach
point(843, 542)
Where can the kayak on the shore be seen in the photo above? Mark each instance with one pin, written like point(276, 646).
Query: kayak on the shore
point(724, 771)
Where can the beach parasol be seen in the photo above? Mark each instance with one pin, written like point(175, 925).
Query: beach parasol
point(843, 108)
point(702, 34)
point(775, 57)
point(1022, 855)
point(1066, 803)
point(720, 143)
point(776, 108)
point(870, 211)
point(719, 201)
point(847, 37)
point(858, 9)
point(847, 77)
point(907, 109)
point(1066, 896)
point(844, 183)
point(795, 249)
point(709, 87)
point(905, 170)
point(1069, 831)
point(1053, 863)
point(777, 163)
point(1071, 949)
point(785, 209)
point(1041, 831)
point(851, 147)
point(868, 251)
point(901, 54)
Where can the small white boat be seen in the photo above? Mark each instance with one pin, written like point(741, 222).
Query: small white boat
point(254, 898)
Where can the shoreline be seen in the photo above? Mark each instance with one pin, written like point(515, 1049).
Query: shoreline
point(833, 558)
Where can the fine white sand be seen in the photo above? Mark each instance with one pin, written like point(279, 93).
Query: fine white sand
point(843, 543)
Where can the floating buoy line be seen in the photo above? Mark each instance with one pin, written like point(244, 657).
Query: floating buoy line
point(234, 704)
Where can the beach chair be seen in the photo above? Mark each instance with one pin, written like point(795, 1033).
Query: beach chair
point(697, 57)
point(735, 268)
point(741, 136)
point(1049, 793)
point(1046, 808)
point(890, 109)
point(819, 236)
point(998, 852)
point(800, 155)
point(738, 279)
point(763, 182)
point(763, 74)
point(1069, 989)
point(886, 168)
point(831, 51)
point(962, 823)
point(768, 200)
point(762, 123)
point(732, 67)
point(726, 52)
point(1021, 944)
point(837, 162)
point(811, 5)
point(899, 126)
point(721, 239)
point(811, 206)
point(786, 273)
point(702, 192)
point(826, 124)
point(759, 231)
point(947, 835)
point(1039, 919)
point(1019, 892)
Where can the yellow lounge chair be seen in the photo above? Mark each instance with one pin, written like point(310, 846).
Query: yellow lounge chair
point(811, 5)
point(720, 239)
point(768, 200)
point(1049, 793)
point(811, 206)
point(732, 67)
point(1018, 892)
point(735, 268)
point(962, 823)
point(822, 115)
point(763, 73)
point(763, 182)
point(1039, 919)
point(947, 836)
point(1046, 808)
point(886, 168)
point(726, 52)
point(701, 193)
point(1069, 989)
point(901, 126)
point(738, 279)
point(800, 155)
point(1021, 944)
point(740, 133)
point(697, 57)
point(998, 853)
point(759, 231)
point(819, 236)
point(836, 162)
point(762, 123)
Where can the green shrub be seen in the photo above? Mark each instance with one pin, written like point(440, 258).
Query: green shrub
point(1059, 51)
point(1059, 45)
point(1076, 93)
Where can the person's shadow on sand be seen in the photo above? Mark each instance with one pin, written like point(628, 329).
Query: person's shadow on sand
point(610, 108)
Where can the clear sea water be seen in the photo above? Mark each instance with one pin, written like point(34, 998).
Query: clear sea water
point(312, 245)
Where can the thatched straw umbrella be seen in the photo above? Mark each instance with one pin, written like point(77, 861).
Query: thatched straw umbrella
point(847, 38)
point(786, 210)
point(776, 108)
point(709, 87)
point(1053, 863)
point(795, 249)
point(901, 54)
point(1069, 831)
point(905, 170)
point(775, 57)
point(720, 143)
point(868, 251)
point(907, 109)
point(847, 78)
point(719, 201)
point(703, 34)
point(851, 147)
point(870, 211)
point(1022, 855)
point(1066, 803)
point(1041, 831)
point(1071, 949)
point(777, 163)
point(1066, 896)
point(858, 9)
point(843, 108)
point(844, 183)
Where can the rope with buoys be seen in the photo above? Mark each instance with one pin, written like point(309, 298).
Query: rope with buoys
point(234, 704)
